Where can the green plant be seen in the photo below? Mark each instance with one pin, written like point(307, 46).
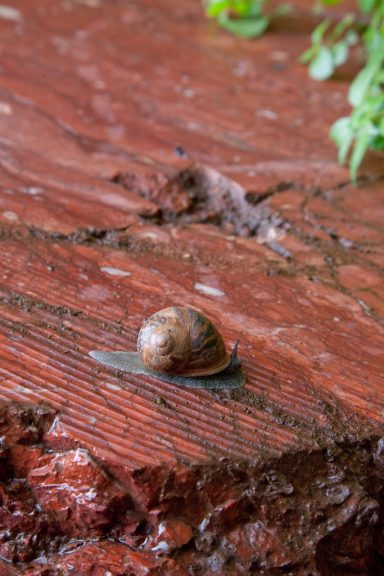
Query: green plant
point(331, 44)
point(244, 18)
point(364, 128)
point(330, 47)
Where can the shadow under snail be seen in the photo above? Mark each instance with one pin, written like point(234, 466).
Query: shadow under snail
point(181, 346)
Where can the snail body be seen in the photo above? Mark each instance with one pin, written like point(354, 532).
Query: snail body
point(181, 346)
point(182, 341)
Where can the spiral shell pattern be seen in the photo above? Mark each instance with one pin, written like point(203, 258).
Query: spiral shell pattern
point(180, 340)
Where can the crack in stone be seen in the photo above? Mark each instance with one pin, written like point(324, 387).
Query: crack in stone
point(119, 238)
point(20, 301)
point(199, 194)
point(332, 266)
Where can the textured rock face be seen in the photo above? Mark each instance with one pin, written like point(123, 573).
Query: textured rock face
point(62, 512)
point(80, 496)
point(147, 160)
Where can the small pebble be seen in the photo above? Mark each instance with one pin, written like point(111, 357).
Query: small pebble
point(209, 290)
point(11, 216)
point(268, 114)
point(9, 13)
point(114, 271)
point(5, 109)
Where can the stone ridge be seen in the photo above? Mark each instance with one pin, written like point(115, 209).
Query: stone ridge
point(65, 512)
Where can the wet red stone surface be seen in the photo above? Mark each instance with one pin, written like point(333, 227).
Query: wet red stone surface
point(103, 222)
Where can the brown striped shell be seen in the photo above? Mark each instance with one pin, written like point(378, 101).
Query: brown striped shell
point(181, 341)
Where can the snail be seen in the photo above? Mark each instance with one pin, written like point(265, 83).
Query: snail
point(181, 346)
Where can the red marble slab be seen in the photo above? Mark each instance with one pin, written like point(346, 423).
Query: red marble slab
point(107, 473)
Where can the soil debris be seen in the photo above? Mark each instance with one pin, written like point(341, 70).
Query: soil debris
point(201, 194)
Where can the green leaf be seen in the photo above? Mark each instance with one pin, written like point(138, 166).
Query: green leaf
point(245, 8)
point(322, 66)
point(361, 146)
point(215, 7)
point(339, 53)
point(342, 26)
point(309, 54)
point(378, 142)
point(342, 134)
point(255, 7)
point(331, 2)
point(367, 5)
point(351, 37)
point(246, 27)
point(363, 80)
point(319, 31)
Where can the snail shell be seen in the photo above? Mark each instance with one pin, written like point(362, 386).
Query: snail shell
point(182, 341)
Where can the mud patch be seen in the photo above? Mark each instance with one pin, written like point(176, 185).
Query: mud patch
point(200, 194)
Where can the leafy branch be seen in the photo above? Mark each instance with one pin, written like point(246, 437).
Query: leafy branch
point(328, 51)
point(364, 128)
point(244, 18)
point(331, 45)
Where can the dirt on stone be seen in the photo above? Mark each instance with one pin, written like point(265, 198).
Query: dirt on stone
point(201, 194)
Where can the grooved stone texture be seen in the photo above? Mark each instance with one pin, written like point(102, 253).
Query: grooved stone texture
point(148, 159)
